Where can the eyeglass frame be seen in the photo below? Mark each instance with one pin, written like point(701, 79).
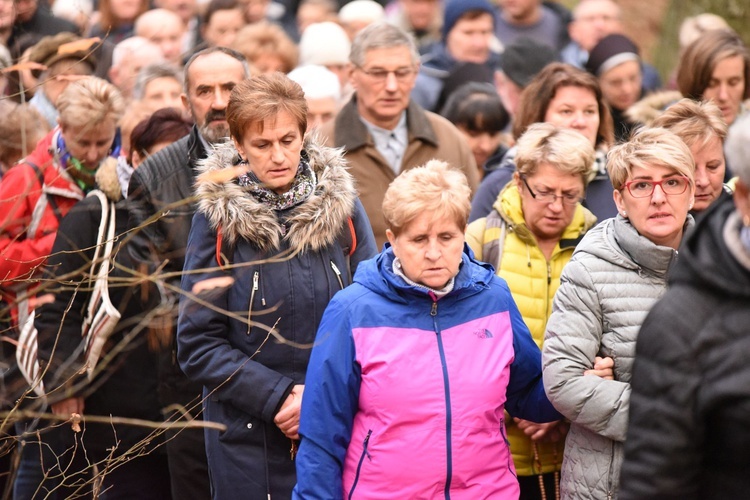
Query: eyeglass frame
point(657, 183)
point(563, 199)
point(377, 77)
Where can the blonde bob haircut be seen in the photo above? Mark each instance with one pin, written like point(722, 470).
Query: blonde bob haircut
point(264, 39)
point(89, 102)
point(646, 149)
point(565, 149)
point(262, 97)
point(696, 123)
point(436, 188)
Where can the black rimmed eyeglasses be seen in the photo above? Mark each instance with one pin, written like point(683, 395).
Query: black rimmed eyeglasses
point(549, 197)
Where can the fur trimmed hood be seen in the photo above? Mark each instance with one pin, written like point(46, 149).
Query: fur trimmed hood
point(645, 111)
point(313, 225)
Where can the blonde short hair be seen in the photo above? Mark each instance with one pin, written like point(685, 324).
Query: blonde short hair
point(649, 148)
point(693, 122)
point(692, 28)
point(264, 38)
point(435, 187)
point(90, 102)
point(565, 149)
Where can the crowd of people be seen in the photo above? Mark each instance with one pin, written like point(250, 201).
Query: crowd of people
point(370, 249)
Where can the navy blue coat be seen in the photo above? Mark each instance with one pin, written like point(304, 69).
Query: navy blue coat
point(223, 336)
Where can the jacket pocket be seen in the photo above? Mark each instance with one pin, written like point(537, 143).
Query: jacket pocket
point(365, 453)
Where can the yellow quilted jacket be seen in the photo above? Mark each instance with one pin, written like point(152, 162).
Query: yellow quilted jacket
point(533, 282)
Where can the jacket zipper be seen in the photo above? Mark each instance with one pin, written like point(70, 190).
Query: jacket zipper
point(610, 473)
point(338, 274)
point(507, 443)
point(361, 460)
point(549, 274)
point(256, 277)
point(448, 416)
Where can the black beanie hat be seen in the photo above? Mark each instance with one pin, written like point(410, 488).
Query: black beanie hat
point(611, 51)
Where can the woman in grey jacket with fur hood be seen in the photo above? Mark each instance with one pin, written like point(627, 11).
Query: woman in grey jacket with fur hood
point(278, 231)
point(616, 274)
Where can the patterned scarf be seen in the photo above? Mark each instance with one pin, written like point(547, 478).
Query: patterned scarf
point(303, 186)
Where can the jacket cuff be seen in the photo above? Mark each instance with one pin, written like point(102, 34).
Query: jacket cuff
point(282, 390)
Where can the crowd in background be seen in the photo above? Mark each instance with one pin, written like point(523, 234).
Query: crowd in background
point(298, 188)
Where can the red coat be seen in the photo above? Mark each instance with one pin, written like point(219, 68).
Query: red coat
point(28, 222)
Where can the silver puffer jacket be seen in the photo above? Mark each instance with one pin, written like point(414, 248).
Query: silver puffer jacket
point(612, 281)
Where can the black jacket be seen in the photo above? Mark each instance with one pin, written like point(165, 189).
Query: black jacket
point(688, 434)
point(126, 384)
point(161, 208)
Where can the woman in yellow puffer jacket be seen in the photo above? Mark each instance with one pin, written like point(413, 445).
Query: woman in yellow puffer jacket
point(529, 237)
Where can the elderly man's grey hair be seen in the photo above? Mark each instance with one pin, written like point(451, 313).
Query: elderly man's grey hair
point(149, 73)
point(134, 45)
point(381, 36)
point(737, 148)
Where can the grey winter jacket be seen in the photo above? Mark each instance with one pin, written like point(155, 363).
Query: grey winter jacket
point(606, 290)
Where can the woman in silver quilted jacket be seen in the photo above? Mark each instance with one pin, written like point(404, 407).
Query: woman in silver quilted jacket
point(616, 274)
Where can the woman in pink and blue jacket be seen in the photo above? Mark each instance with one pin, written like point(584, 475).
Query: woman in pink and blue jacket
point(415, 362)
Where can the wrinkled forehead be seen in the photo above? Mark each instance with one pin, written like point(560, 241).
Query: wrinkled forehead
point(393, 57)
point(215, 69)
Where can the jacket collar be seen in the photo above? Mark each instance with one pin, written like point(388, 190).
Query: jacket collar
point(352, 134)
point(642, 251)
point(196, 150)
point(377, 275)
point(313, 225)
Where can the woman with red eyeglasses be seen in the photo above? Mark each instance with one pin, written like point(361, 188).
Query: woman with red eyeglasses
point(617, 272)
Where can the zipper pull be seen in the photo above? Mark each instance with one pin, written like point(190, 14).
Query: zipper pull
point(433, 311)
point(549, 274)
point(338, 274)
point(367, 440)
point(252, 298)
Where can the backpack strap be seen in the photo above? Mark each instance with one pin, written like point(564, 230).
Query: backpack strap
point(50, 199)
point(348, 238)
point(492, 249)
point(224, 250)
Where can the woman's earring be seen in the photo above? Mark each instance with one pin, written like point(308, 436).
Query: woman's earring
point(624, 213)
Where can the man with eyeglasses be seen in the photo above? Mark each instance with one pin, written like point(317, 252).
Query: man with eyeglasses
point(383, 131)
